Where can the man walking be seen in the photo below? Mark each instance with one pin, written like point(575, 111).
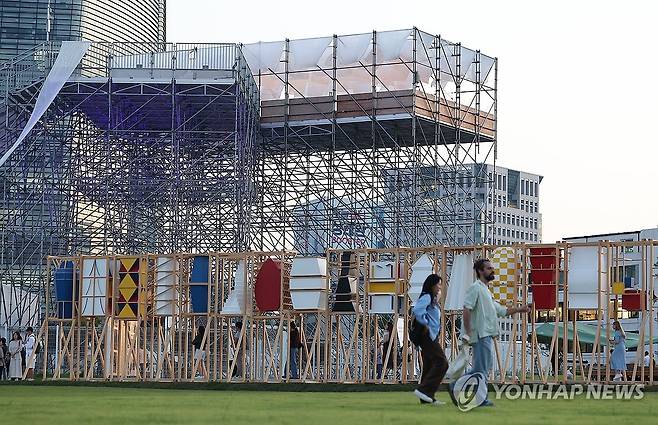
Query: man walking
point(480, 320)
point(295, 345)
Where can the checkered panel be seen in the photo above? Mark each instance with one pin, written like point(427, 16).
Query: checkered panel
point(506, 268)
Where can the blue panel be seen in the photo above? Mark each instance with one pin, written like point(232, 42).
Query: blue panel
point(64, 290)
point(64, 282)
point(200, 270)
point(199, 296)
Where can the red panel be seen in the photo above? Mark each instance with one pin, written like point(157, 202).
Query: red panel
point(543, 262)
point(546, 277)
point(268, 286)
point(632, 300)
point(543, 297)
point(542, 251)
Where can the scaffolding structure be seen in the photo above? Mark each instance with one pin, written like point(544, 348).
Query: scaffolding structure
point(139, 152)
point(373, 140)
point(364, 140)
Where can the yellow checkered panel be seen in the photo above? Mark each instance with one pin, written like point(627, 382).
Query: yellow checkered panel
point(502, 288)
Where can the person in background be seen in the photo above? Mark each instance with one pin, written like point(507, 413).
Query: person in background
point(618, 357)
point(389, 349)
point(647, 359)
point(427, 314)
point(30, 355)
point(15, 362)
point(239, 351)
point(200, 354)
point(295, 345)
point(480, 320)
point(3, 356)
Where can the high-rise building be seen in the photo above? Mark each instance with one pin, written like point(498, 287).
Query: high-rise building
point(477, 203)
point(27, 23)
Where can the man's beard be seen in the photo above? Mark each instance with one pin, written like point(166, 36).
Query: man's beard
point(491, 277)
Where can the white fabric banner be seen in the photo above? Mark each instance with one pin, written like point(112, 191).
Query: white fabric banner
point(306, 53)
point(390, 43)
point(68, 58)
point(461, 277)
point(263, 56)
point(352, 48)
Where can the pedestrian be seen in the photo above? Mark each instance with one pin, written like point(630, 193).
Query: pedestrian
point(480, 322)
point(427, 314)
point(295, 345)
point(389, 349)
point(200, 354)
point(4, 353)
point(30, 354)
point(15, 362)
point(618, 357)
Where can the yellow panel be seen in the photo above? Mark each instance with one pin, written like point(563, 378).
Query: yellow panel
point(126, 312)
point(128, 263)
point(381, 287)
point(127, 292)
point(127, 282)
point(617, 288)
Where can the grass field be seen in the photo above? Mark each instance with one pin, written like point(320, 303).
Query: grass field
point(92, 405)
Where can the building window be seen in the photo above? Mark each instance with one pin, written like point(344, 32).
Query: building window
point(536, 189)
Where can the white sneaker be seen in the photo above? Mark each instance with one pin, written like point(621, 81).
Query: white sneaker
point(424, 397)
point(438, 403)
point(617, 378)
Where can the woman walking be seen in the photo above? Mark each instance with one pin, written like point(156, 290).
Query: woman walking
point(618, 357)
point(200, 354)
point(435, 364)
point(15, 360)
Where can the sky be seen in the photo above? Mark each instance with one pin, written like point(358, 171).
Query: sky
point(577, 97)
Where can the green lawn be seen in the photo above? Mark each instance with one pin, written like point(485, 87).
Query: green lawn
point(93, 405)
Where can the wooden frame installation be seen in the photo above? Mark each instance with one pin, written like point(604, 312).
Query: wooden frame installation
point(135, 317)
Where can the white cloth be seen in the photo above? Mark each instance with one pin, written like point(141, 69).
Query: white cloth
point(16, 364)
point(30, 343)
point(68, 58)
point(647, 360)
point(199, 354)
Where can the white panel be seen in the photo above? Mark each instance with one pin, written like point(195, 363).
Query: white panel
point(422, 268)
point(309, 300)
point(68, 58)
point(309, 266)
point(235, 303)
point(353, 48)
point(461, 277)
point(381, 304)
point(390, 44)
point(93, 306)
point(319, 282)
point(382, 270)
point(305, 54)
point(585, 301)
point(263, 56)
point(583, 273)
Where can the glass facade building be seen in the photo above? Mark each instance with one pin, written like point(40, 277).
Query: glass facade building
point(26, 23)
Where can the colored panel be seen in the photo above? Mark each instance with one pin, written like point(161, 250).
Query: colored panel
point(544, 297)
point(461, 277)
point(64, 290)
point(268, 286)
point(507, 267)
point(542, 277)
point(633, 301)
point(345, 294)
point(617, 288)
point(381, 287)
point(199, 298)
point(128, 303)
point(200, 267)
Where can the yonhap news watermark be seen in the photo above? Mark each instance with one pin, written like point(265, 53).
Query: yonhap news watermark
point(569, 392)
